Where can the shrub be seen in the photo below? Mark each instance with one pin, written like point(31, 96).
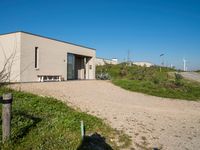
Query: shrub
point(123, 71)
point(178, 79)
point(156, 80)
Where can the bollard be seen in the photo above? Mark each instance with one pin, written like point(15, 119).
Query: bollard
point(82, 130)
point(6, 116)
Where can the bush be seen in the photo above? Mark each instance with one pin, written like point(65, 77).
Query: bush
point(198, 71)
point(123, 70)
point(156, 80)
point(178, 79)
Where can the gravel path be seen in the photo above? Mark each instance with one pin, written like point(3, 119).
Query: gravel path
point(152, 122)
point(191, 76)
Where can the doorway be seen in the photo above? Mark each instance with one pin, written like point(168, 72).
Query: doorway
point(76, 67)
point(70, 66)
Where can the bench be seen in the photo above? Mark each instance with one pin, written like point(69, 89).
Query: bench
point(46, 78)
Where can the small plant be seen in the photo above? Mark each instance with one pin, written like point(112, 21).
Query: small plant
point(123, 72)
point(178, 79)
point(156, 81)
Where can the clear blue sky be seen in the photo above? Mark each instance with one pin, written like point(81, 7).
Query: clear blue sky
point(145, 27)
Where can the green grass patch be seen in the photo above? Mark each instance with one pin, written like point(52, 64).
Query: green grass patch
point(45, 123)
point(152, 81)
point(189, 92)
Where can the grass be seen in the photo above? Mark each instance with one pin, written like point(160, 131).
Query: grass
point(152, 81)
point(45, 123)
point(198, 71)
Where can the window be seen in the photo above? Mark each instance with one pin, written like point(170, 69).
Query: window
point(36, 57)
point(90, 66)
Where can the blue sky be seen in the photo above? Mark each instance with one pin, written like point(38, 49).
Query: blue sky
point(146, 28)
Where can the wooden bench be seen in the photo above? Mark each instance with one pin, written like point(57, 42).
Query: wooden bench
point(46, 78)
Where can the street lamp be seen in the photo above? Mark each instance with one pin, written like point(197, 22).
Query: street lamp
point(162, 61)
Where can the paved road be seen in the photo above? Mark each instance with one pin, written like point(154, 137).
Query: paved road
point(191, 76)
point(150, 121)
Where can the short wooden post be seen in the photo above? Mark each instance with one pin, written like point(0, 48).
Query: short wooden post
point(6, 116)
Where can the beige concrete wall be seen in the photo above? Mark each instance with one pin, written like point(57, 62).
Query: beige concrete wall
point(10, 45)
point(90, 72)
point(52, 57)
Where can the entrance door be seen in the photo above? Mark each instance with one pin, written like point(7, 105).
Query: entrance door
point(70, 66)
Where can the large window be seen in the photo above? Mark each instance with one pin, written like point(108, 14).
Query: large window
point(70, 66)
point(36, 57)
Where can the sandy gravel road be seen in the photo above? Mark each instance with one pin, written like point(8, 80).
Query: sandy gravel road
point(150, 121)
point(191, 76)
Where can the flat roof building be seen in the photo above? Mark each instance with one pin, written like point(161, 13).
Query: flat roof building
point(103, 61)
point(39, 58)
point(143, 64)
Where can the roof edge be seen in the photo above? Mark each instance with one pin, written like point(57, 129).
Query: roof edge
point(48, 38)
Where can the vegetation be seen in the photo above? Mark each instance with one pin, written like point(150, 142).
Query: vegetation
point(198, 71)
point(6, 68)
point(164, 83)
point(45, 123)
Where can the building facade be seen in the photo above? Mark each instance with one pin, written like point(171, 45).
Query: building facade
point(39, 58)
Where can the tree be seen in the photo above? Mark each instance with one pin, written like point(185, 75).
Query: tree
point(5, 68)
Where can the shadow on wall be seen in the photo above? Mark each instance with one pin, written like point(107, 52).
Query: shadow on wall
point(94, 142)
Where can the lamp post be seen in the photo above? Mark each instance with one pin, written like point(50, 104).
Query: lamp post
point(162, 61)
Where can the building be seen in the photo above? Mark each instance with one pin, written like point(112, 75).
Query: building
point(39, 58)
point(103, 61)
point(142, 63)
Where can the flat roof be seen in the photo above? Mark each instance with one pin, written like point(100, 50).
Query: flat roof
point(48, 38)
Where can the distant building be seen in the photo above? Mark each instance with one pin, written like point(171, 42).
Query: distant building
point(103, 61)
point(142, 63)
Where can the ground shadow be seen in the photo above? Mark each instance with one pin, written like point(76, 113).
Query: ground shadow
point(94, 142)
point(25, 130)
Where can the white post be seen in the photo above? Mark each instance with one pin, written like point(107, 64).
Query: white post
point(82, 130)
